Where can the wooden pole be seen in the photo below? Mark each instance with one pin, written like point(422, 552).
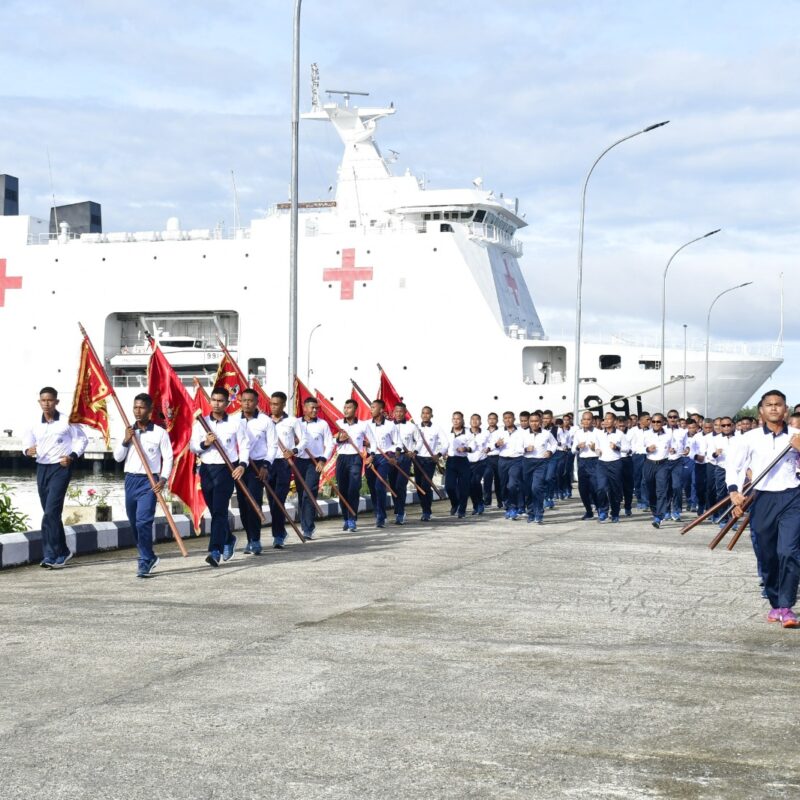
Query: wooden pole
point(364, 460)
point(139, 450)
point(289, 456)
point(333, 485)
point(274, 495)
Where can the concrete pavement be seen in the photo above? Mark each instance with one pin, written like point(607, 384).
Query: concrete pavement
point(473, 658)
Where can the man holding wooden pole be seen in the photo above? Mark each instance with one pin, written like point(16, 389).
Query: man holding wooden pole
point(140, 494)
point(216, 477)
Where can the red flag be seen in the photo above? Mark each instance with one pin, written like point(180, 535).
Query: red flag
point(174, 409)
point(185, 484)
point(301, 394)
point(202, 403)
point(91, 389)
point(362, 407)
point(390, 396)
point(328, 411)
point(232, 378)
point(263, 397)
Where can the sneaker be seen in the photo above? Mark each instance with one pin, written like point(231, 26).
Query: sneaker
point(676, 517)
point(277, 545)
point(656, 522)
point(47, 563)
point(308, 537)
point(628, 512)
point(352, 525)
point(539, 520)
point(549, 504)
point(453, 512)
point(764, 595)
point(141, 572)
point(228, 550)
point(481, 509)
point(425, 518)
point(346, 525)
point(775, 615)
point(399, 519)
point(380, 522)
point(588, 515)
point(513, 515)
point(61, 561)
point(212, 559)
point(474, 512)
point(248, 549)
point(255, 548)
point(508, 515)
point(531, 518)
point(789, 619)
point(615, 519)
point(153, 563)
point(602, 516)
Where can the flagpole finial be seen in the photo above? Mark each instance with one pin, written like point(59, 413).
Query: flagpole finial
point(83, 330)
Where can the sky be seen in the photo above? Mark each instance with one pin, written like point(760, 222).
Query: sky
point(147, 107)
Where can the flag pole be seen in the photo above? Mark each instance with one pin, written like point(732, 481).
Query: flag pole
point(138, 447)
point(273, 494)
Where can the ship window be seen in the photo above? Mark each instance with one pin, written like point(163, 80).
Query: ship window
point(436, 215)
point(479, 215)
point(426, 216)
point(466, 215)
point(352, 223)
point(610, 362)
point(257, 366)
point(647, 364)
point(11, 195)
point(446, 227)
point(372, 223)
point(178, 343)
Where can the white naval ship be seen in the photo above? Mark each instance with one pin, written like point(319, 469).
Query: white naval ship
point(426, 282)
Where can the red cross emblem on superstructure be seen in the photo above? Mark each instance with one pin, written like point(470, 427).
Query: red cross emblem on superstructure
point(348, 274)
point(511, 283)
point(7, 282)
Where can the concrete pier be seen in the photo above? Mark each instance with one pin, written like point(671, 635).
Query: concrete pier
point(475, 658)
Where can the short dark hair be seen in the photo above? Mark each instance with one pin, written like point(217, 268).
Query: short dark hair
point(547, 411)
point(772, 393)
point(380, 402)
point(399, 405)
point(524, 414)
point(248, 390)
point(144, 398)
point(310, 400)
point(279, 396)
point(460, 414)
point(351, 402)
point(509, 412)
point(429, 409)
point(220, 390)
point(48, 390)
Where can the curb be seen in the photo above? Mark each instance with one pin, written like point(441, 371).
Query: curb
point(19, 549)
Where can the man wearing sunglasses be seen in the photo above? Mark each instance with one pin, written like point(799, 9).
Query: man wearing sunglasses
point(679, 448)
point(657, 443)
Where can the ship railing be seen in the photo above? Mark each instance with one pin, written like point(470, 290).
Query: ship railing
point(115, 237)
point(140, 381)
point(47, 238)
point(493, 234)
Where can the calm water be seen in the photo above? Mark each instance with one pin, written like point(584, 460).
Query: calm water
point(26, 497)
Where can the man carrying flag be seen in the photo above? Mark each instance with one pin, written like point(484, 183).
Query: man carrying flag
point(55, 443)
point(350, 438)
point(318, 452)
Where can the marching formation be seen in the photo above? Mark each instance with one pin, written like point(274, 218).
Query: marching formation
point(522, 463)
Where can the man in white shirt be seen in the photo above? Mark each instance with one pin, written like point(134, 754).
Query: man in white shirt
point(56, 445)
point(492, 464)
point(775, 512)
point(431, 446)
point(311, 461)
point(509, 448)
point(585, 447)
point(567, 460)
point(140, 496)
point(350, 439)
point(609, 469)
point(678, 450)
point(627, 466)
point(696, 457)
point(292, 442)
point(478, 440)
point(539, 447)
point(639, 457)
point(657, 443)
point(263, 448)
point(457, 469)
point(216, 479)
point(380, 438)
point(723, 445)
point(405, 434)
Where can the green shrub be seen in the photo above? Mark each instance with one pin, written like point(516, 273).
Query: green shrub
point(11, 520)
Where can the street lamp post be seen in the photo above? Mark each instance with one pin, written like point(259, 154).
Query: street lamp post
point(308, 360)
point(685, 410)
point(664, 307)
point(293, 221)
point(708, 333)
point(579, 299)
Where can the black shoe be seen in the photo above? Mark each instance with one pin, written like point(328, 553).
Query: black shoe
point(212, 559)
point(588, 515)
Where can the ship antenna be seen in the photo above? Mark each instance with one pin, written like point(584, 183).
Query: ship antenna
point(236, 217)
point(52, 190)
point(314, 85)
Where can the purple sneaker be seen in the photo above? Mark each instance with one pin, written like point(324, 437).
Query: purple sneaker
point(789, 619)
point(775, 615)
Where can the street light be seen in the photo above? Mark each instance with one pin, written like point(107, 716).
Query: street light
point(685, 411)
point(308, 360)
point(708, 332)
point(580, 262)
point(293, 220)
point(664, 307)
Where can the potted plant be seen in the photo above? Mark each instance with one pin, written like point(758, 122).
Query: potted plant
point(87, 507)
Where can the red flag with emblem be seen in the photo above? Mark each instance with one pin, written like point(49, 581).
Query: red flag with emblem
point(91, 390)
point(174, 408)
point(232, 378)
point(390, 396)
point(301, 394)
point(263, 397)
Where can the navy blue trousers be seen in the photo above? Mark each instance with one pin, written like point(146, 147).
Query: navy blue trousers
point(551, 477)
point(627, 483)
point(677, 479)
point(536, 478)
point(640, 486)
point(280, 476)
point(216, 483)
point(566, 467)
point(587, 483)
point(140, 506)
point(776, 520)
point(377, 490)
point(308, 512)
point(660, 485)
point(492, 480)
point(251, 522)
point(609, 486)
point(456, 481)
point(399, 483)
point(700, 486)
point(477, 474)
point(424, 465)
point(348, 481)
point(711, 485)
point(511, 482)
point(52, 481)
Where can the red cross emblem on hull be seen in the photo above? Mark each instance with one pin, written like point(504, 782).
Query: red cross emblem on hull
point(348, 274)
point(7, 282)
point(511, 283)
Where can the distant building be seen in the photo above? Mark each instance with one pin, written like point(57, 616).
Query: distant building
point(9, 196)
